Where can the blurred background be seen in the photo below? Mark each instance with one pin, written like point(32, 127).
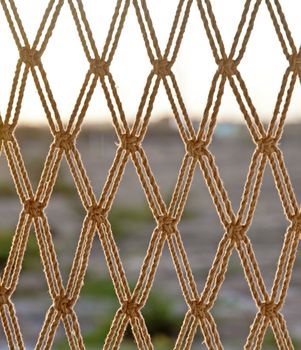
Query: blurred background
point(132, 223)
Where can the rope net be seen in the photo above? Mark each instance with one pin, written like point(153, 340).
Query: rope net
point(167, 215)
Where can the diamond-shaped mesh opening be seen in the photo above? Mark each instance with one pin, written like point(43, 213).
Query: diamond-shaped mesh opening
point(65, 215)
point(227, 138)
point(98, 302)
point(32, 111)
point(165, 158)
point(31, 298)
point(235, 296)
point(269, 65)
point(200, 221)
point(65, 71)
point(193, 78)
point(131, 224)
point(228, 141)
point(130, 63)
point(97, 141)
point(268, 229)
point(34, 143)
point(162, 318)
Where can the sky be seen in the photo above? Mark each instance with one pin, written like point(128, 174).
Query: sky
point(262, 66)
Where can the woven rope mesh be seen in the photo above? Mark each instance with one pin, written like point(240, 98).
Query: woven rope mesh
point(167, 215)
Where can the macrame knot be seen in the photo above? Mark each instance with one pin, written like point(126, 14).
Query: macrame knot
point(227, 67)
point(30, 57)
point(167, 224)
point(269, 309)
point(5, 132)
point(63, 304)
point(129, 142)
point(64, 140)
point(295, 62)
point(235, 232)
point(267, 145)
point(96, 214)
point(33, 208)
point(130, 308)
point(99, 67)
point(162, 67)
point(198, 309)
point(4, 295)
point(196, 148)
point(296, 222)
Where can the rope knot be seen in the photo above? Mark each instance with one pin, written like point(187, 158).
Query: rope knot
point(63, 304)
point(269, 309)
point(227, 67)
point(4, 295)
point(167, 224)
point(267, 145)
point(162, 67)
point(235, 232)
point(5, 132)
point(130, 308)
point(129, 142)
point(64, 140)
point(30, 57)
point(99, 67)
point(295, 62)
point(198, 309)
point(196, 148)
point(96, 213)
point(296, 222)
point(33, 208)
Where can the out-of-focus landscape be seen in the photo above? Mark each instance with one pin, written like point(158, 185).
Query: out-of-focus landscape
point(132, 224)
point(66, 64)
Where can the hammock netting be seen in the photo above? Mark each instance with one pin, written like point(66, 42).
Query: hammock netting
point(267, 153)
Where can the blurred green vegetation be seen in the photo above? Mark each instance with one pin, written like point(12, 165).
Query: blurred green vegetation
point(160, 315)
point(31, 254)
point(270, 341)
point(64, 188)
point(61, 187)
point(162, 320)
point(125, 219)
point(188, 212)
point(128, 219)
point(7, 189)
point(98, 287)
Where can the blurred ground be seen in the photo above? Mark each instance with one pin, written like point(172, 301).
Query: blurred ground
point(132, 225)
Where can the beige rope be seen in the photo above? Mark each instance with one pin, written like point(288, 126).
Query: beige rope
point(166, 215)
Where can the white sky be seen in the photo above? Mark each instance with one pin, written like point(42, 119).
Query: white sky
point(64, 61)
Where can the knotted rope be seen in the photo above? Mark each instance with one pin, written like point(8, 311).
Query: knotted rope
point(167, 215)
